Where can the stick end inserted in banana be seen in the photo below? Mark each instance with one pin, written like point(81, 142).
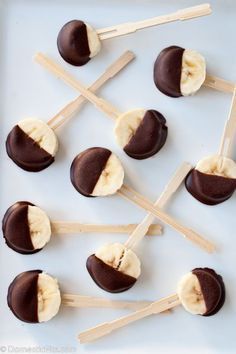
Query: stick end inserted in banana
point(114, 268)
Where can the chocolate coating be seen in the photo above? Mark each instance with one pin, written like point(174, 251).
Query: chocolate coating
point(86, 169)
point(22, 297)
point(209, 189)
point(108, 278)
point(167, 71)
point(16, 230)
point(149, 137)
point(72, 43)
point(25, 152)
point(213, 289)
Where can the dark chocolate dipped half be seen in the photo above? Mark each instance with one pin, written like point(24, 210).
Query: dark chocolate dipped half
point(77, 42)
point(108, 278)
point(149, 137)
point(26, 228)
point(15, 228)
point(86, 169)
point(93, 165)
point(22, 297)
point(167, 71)
point(34, 153)
point(209, 189)
point(179, 72)
point(213, 289)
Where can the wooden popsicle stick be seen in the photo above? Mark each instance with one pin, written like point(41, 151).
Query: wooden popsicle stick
point(74, 106)
point(131, 27)
point(89, 301)
point(62, 74)
point(168, 191)
point(61, 227)
point(229, 130)
point(107, 327)
point(219, 84)
point(189, 234)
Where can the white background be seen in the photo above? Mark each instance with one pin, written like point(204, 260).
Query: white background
point(195, 126)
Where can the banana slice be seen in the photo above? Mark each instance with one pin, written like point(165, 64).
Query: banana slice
point(140, 133)
point(97, 172)
point(49, 297)
point(26, 228)
point(217, 165)
point(39, 226)
point(202, 292)
point(114, 268)
point(213, 180)
point(117, 256)
point(32, 145)
point(193, 73)
point(190, 294)
point(34, 296)
point(179, 72)
point(78, 42)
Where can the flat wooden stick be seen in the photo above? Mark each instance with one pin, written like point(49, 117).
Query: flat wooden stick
point(219, 84)
point(168, 191)
point(74, 106)
point(131, 27)
point(107, 327)
point(229, 130)
point(189, 234)
point(61, 227)
point(62, 74)
point(89, 301)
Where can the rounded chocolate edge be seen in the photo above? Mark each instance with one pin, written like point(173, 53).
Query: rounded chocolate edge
point(218, 278)
point(11, 288)
point(126, 281)
point(73, 180)
point(7, 214)
point(159, 60)
point(25, 166)
point(105, 151)
point(159, 146)
point(80, 61)
point(204, 199)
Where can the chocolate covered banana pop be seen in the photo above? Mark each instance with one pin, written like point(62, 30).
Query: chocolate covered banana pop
point(78, 41)
point(140, 133)
point(34, 297)
point(27, 228)
point(213, 180)
point(115, 267)
point(32, 144)
point(182, 72)
point(200, 292)
point(98, 172)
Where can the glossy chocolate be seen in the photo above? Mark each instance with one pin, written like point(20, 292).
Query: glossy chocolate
point(22, 297)
point(149, 137)
point(209, 189)
point(25, 152)
point(16, 229)
point(72, 43)
point(108, 278)
point(167, 71)
point(213, 289)
point(87, 168)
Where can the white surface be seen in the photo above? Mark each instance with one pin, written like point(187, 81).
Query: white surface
point(195, 126)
